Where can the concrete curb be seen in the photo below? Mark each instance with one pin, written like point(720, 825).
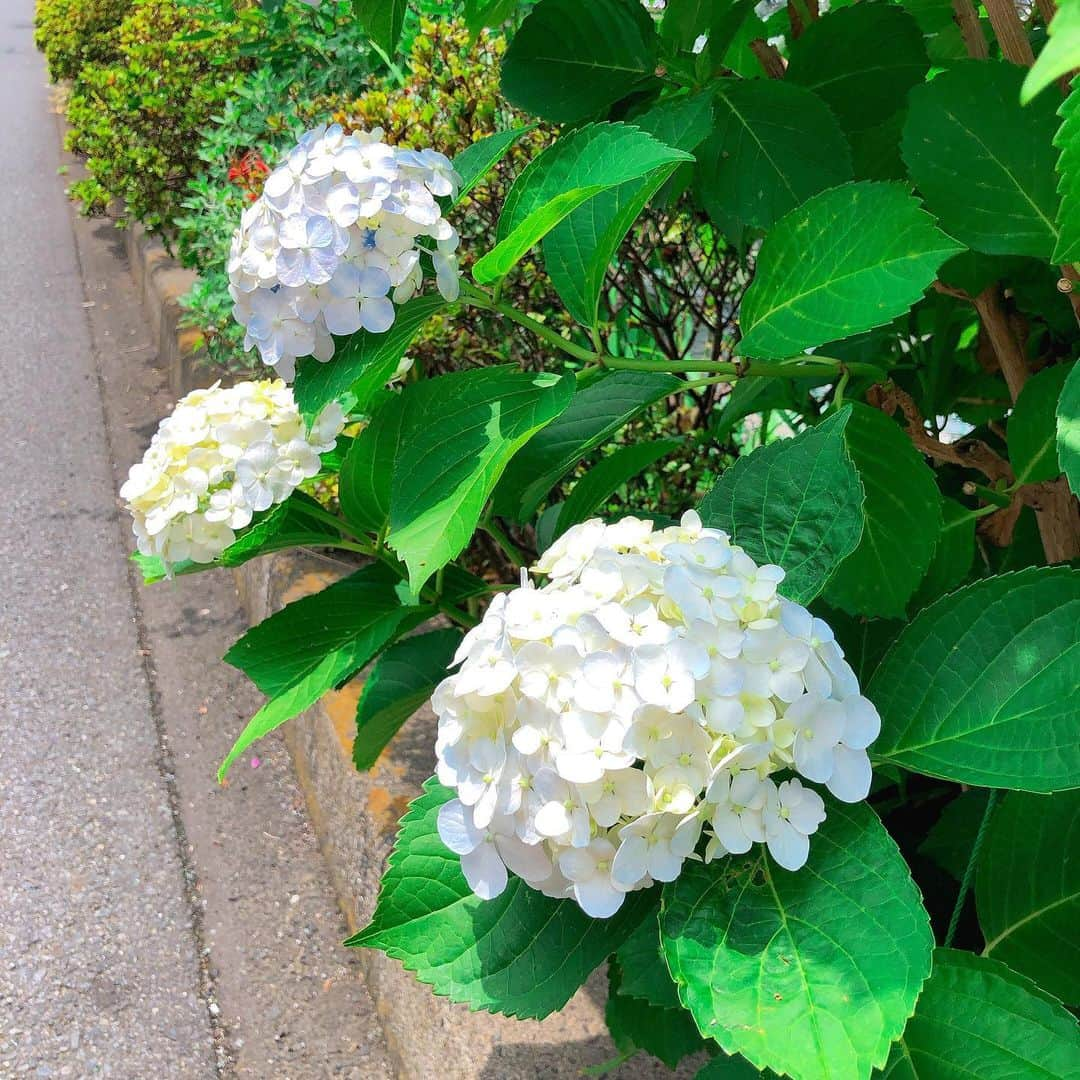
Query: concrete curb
point(161, 281)
point(355, 815)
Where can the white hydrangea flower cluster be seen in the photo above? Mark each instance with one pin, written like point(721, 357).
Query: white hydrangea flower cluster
point(334, 243)
point(654, 687)
point(223, 455)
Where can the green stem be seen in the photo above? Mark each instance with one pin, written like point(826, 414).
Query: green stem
point(969, 870)
point(482, 300)
point(841, 386)
point(500, 537)
point(791, 367)
point(320, 513)
point(998, 499)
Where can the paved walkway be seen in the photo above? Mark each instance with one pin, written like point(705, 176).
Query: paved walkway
point(152, 925)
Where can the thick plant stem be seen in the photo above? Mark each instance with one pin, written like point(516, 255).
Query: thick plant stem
point(768, 56)
point(969, 870)
point(967, 19)
point(1057, 515)
point(1010, 355)
point(1010, 32)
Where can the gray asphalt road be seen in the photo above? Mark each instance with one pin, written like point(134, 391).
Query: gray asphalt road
point(152, 924)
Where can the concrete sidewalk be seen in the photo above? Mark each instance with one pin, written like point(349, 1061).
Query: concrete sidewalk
point(152, 924)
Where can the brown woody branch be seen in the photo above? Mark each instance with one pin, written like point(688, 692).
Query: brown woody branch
point(968, 453)
point(967, 19)
point(772, 63)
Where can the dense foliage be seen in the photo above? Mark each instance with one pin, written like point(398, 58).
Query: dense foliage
point(829, 258)
point(73, 33)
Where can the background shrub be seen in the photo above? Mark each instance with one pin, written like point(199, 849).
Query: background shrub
point(72, 33)
point(136, 119)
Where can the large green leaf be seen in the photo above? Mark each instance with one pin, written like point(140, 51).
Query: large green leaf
point(457, 434)
point(475, 161)
point(953, 556)
point(595, 412)
point(796, 503)
point(812, 973)
point(402, 679)
point(522, 953)
point(313, 644)
point(1031, 428)
point(1067, 140)
point(383, 20)
point(568, 174)
point(644, 970)
point(774, 145)
point(978, 1020)
point(667, 1033)
point(579, 248)
point(951, 838)
point(982, 686)
point(569, 61)
point(1061, 53)
point(685, 20)
point(607, 476)
point(883, 572)
point(1028, 890)
point(849, 259)
point(861, 61)
point(367, 471)
point(363, 362)
point(1068, 428)
point(984, 163)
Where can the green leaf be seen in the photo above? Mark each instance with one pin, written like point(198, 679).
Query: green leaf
point(363, 362)
point(477, 160)
point(953, 556)
point(796, 503)
point(403, 678)
point(950, 840)
point(667, 1033)
point(977, 1018)
point(569, 61)
point(643, 968)
point(729, 1068)
point(522, 954)
point(983, 163)
point(595, 413)
point(568, 174)
point(607, 476)
point(457, 434)
point(1067, 140)
point(383, 20)
point(849, 259)
point(882, 573)
point(774, 145)
point(314, 644)
point(1068, 428)
point(1028, 890)
point(1031, 429)
point(685, 20)
point(367, 471)
point(481, 13)
point(861, 61)
point(814, 973)
point(994, 701)
point(1061, 53)
point(579, 249)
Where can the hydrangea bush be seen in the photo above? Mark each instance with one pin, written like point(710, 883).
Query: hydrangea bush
point(800, 767)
